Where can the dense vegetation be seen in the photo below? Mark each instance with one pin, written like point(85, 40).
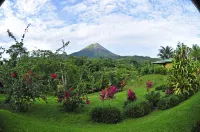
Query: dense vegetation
point(102, 88)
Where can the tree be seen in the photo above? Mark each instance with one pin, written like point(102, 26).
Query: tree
point(183, 74)
point(165, 52)
point(195, 52)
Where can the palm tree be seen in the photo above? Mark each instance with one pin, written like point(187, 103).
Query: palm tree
point(196, 52)
point(165, 52)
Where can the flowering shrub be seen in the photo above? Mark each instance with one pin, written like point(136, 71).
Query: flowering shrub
point(169, 91)
point(108, 93)
point(24, 90)
point(131, 95)
point(149, 85)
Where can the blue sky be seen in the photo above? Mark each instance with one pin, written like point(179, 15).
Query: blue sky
point(125, 27)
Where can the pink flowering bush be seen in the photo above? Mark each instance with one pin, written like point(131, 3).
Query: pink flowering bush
point(131, 95)
point(149, 85)
point(108, 93)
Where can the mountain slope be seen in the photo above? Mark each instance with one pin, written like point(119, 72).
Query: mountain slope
point(95, 51)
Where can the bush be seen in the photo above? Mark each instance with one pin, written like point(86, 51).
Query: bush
point(73, 104)
point(163, 87)
point(138, 109)
point(168, 102)
point(196, 128)
point(153, 97)
point(164, 104)
point(110, 115)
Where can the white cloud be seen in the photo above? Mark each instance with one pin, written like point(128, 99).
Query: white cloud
point(139, 30)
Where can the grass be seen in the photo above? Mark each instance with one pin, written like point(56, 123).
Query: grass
point(43, 117)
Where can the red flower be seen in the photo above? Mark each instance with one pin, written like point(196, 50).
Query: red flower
point(53, 75)
point(13, 75)
point(59, 100)
point(92, 89)
point(111, 92)
point(131, 95)
point(103, 95)
point(67, 94)
point(28, 80)
point(87, 101)
point(29, 72)
point(71, 89)
point(169, 91)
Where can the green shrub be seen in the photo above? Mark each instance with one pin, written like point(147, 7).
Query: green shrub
point(162, 87)
point(110, 115)
point(168, 102)
point(174, 100)
point(153, 97)
point(160, 70)
point(164, 104)
point(196, 128)
point(138, 109)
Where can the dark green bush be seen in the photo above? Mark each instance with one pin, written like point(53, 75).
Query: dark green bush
point(110, 115)
point(72, 104)
point(168, 102)
point(174, 100)
point(162, 87)
point(153, 97)
point(138, 109)
point(164, 103)
point(196, 128)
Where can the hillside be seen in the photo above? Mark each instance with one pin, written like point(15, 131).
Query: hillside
point(49, 118)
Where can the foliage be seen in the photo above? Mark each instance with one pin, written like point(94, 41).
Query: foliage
point(196, 128)
point(138, 109)
point(195, 52)
point(106, 114)
point(131, 95)
point(168, 102)
point(24, 89)
point(153, 97)
point(183, 74)
point(108, 93)
point(148, 85)
point(165, 52)
point(162, 87)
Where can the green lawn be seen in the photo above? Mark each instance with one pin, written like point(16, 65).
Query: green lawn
point(43, 117)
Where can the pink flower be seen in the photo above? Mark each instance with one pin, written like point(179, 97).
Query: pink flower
point(53, 75)
point(59, 100)
point(131, 95)
point(71, 89)
point(92, 89)
point(87, 101)
point(168, 91)
point(67, 94)
point(103, 95)
point(13, 75)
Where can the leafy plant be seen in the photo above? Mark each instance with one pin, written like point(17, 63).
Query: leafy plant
point(153, 97)
point(183, 74)
point(106, 114)
point(138, 109)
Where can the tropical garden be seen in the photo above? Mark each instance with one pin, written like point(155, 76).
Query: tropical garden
point(48, 91)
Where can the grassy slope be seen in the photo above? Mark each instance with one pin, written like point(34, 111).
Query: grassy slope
point(48, 118)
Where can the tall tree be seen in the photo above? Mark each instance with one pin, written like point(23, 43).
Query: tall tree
point(196, 52)
point(165, 52)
